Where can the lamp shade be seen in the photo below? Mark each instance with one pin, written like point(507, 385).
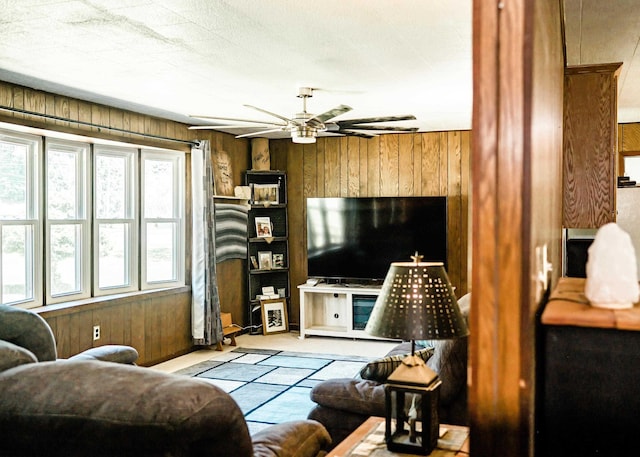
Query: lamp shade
point(417, 302)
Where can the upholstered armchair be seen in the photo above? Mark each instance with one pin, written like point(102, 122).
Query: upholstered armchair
point(32, 334)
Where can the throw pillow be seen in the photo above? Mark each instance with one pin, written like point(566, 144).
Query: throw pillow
point(379, 370)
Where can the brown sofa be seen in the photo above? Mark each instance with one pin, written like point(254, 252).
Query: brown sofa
point(343, 404)
point(94, 408)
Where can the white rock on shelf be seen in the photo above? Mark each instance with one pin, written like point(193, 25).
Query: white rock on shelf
point(612, 275)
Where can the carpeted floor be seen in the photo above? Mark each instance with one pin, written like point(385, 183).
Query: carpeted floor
point(273, 386)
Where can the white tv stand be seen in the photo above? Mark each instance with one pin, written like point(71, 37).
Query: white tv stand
point(328, 309)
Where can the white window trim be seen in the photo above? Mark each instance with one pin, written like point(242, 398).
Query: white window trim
point(132, 220)
point(34, 210)
point(178, 158)
point(82, 151)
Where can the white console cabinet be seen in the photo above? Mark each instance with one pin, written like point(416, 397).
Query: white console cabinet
point(339, 310)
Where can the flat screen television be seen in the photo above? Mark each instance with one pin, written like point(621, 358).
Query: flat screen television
point(356, 239)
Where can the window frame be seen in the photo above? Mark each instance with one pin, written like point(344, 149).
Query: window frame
point(82, 219)
point(178, 217)
point(131, 219)
point(34, 176)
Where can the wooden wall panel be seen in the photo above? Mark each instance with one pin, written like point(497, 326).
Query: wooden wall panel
point(629, 137)
point(388, 165)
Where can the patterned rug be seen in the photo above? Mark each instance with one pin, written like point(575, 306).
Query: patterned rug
point(273, 386)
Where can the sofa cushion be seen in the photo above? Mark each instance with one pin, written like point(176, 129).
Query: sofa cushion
point(357, 395)
point(296, 439)
point(12, 355)
point(380, 369)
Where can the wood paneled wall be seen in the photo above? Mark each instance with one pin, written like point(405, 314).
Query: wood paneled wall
point(155, 324)
point(423, 164)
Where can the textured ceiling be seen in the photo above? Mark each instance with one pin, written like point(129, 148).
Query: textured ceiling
point(382, 57)
point(608, 31)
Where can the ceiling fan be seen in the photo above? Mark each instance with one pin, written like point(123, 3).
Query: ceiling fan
point(304, 127)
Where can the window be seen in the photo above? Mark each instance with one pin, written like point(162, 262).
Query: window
point(115, 221)
point(67, 221)
point(20, 227)
point(162, 233)
point(79, 219)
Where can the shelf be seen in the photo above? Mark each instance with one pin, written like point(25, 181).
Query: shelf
point(267, 240)
point(257, 271)
point(260, 247)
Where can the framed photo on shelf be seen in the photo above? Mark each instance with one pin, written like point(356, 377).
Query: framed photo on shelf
point(254, 262)
point(266, 194)
point(265, 260)
point(278, 261)
point(274, 316)
point(263, 227)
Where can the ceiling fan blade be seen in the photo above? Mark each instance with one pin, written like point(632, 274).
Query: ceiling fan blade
point(315, 121)
point(369, 120)
point(358, 134)
point(379, 128)
point(245, 135)
point(273, 114)
point(235, 120)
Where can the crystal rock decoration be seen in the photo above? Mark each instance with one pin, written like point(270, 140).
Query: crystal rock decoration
point(612, 277)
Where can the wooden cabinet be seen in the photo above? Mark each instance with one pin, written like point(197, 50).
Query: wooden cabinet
point(590, 366)
point(268, 243)
point(336, 310)
point(590, 145)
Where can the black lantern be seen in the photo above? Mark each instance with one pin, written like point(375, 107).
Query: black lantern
point(412, 424)
point(416, 302)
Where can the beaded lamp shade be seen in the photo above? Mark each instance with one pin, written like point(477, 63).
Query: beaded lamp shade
point(417, 302)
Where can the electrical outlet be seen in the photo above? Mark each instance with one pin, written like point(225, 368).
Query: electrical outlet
point(96, 332)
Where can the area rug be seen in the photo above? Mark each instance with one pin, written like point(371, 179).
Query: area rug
point(273, 386)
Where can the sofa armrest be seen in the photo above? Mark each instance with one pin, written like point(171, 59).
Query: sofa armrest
point(354, 395)
point(303, 438)
point(109, 353)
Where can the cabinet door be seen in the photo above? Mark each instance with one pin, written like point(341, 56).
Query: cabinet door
point(590, 142)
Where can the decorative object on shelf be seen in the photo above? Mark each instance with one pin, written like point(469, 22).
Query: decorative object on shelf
point(264, 260)
point(612, 270)
point(274, 316)
point(266, 194)
point(254, 262)
point(263, 227)
point(223, 173)
point(243, 192)
point(416, 302)
point(278, 261)
point(260, 156)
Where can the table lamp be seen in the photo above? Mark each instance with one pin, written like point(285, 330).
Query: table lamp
point(416, 302)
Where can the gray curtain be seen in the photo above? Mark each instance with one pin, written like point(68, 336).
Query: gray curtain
point(206, 324)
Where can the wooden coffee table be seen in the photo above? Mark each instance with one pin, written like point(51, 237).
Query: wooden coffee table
point(359, 443)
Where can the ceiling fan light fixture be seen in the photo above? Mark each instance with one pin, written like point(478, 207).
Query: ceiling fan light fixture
point(303, 134)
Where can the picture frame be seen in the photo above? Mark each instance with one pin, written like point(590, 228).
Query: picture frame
point(274, 316)
point(265, 260)
point(266, 194)
point(263, 227)
point(278, 261)
point(254, 262)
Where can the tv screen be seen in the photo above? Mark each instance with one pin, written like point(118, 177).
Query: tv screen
point(358, 238)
